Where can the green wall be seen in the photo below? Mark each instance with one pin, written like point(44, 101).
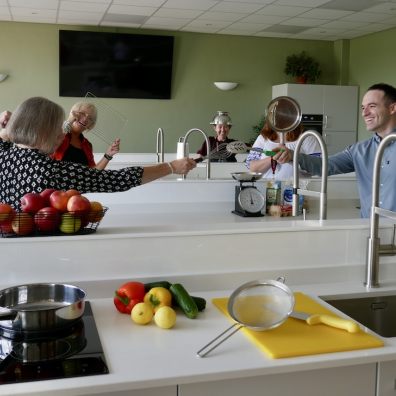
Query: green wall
point(372, 60)
point(30, 56)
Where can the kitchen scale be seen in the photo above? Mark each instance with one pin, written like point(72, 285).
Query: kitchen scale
point(249, 202)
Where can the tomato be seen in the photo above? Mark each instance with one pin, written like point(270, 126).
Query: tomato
point(158, 297)
point(128, 295)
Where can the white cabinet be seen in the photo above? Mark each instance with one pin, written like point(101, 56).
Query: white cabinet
point(341, 381)
point(337, 103)
point(386, 384)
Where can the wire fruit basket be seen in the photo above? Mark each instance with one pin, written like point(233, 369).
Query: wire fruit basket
point(51, 223)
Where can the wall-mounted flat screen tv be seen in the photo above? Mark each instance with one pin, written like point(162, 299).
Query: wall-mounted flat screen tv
point(115, 65)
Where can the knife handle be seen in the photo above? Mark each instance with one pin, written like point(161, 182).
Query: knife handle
point(334, 321)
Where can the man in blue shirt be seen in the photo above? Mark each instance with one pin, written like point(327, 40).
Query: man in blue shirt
point(379, 114)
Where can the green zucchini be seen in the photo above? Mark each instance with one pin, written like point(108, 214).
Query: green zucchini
point(184, 300)
point(201, 303)
point(163, 283)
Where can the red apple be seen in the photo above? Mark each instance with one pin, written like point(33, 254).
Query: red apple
point(6, 212)
point(46, 194)
point(6, 227)
point(70, 193)
point(58, 200)
point(23, 223)
point(32, 202)
point(47, 219)
point(79, 205)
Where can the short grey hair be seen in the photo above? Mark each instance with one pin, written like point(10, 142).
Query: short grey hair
point(36, 123)
point(85, 106)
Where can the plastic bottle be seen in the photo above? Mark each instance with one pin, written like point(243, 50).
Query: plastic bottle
point(180, 149)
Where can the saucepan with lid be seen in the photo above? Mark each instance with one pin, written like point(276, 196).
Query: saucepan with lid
point(40, 307)
point(257, 305)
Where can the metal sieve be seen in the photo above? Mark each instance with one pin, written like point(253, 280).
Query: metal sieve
point(257, 305)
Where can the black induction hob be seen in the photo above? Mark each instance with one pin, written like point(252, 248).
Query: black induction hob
point(75, 352)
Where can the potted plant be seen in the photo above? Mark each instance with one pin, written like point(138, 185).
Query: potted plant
point(303, 67)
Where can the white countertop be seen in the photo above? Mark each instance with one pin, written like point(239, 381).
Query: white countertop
point(172, 242)
point(147, 356)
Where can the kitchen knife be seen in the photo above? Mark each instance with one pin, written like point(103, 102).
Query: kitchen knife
point(328, 320)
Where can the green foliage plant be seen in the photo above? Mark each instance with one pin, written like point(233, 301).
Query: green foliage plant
point(302, 66)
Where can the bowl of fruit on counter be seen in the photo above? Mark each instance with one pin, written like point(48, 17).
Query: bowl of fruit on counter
point(51, 212)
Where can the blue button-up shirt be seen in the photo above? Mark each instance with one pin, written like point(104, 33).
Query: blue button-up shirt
point(359, 158)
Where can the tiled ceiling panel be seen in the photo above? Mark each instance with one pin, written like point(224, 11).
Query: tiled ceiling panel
point(300, 19)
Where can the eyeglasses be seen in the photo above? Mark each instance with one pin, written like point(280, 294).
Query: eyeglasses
point(80, 115)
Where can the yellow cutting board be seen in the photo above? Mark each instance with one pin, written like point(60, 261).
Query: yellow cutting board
point(296, 338)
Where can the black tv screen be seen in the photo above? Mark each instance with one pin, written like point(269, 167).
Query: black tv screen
point(115, 65)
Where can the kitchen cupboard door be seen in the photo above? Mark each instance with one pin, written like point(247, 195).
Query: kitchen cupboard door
point(340, 108)
point(386, 384)
point(308, 96)
point(338, 141)
point(340, 381)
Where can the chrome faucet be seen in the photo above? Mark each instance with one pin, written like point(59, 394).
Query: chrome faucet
point(207, 148)
point(160, 145)
point(373, 243)
point(323, 189)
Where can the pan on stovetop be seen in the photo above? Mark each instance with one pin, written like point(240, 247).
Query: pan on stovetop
point(40, 307)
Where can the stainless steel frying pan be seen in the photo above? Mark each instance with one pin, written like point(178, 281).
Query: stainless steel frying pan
point(40, 307)
point(283, 115)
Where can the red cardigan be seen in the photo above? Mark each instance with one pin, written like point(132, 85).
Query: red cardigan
point(86, 147)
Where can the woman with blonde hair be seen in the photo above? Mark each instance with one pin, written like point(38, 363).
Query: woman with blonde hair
point(75, 147)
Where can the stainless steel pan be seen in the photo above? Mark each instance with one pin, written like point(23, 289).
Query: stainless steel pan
point(40, 307)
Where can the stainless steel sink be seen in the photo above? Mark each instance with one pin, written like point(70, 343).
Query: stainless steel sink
point(378, 313)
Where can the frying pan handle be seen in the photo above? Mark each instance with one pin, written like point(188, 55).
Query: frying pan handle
point(8, 315)
point(225, 335)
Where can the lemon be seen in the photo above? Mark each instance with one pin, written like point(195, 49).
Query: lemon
point(142, 313)
point(165, 317)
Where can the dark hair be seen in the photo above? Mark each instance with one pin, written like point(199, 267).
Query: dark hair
point(388, 90)
point(291, 136)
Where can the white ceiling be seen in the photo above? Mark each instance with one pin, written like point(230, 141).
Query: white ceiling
point(300, 19)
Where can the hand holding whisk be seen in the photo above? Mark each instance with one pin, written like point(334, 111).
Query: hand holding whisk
point(219, 153)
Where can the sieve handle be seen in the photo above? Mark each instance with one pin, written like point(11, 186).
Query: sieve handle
point(225, 335)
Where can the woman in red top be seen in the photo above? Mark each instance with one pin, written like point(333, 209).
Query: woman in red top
point(75, 147)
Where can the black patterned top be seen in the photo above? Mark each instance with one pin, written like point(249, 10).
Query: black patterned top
point(27, 170)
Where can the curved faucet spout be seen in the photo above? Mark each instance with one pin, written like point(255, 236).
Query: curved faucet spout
point(373, 243)
point(207, 148)
point(160, 145)
point(323, 189)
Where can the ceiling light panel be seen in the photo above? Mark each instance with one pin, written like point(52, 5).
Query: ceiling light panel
point(48, 4)
point(190, 4)
point(286, 11)
point(221, 16)
point(244, 8)
point(82, 6)
point(176, 13)
point(350, 5)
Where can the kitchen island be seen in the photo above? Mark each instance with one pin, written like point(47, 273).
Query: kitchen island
point(211, 251)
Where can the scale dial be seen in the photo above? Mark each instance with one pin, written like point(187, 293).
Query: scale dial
point(251, 200)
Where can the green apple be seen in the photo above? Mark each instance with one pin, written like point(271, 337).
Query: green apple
point(69, 223)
